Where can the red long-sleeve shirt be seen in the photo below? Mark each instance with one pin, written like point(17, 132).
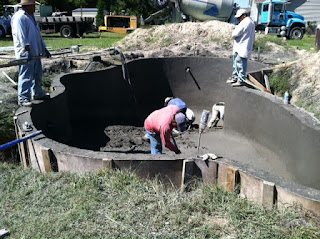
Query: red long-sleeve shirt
point(160, 122)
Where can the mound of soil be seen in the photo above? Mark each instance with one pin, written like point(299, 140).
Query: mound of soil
point(211, 38)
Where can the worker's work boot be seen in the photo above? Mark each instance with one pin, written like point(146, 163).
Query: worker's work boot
point(231, 80)
point(26, 103)
point(213, 123)
point(238, 83)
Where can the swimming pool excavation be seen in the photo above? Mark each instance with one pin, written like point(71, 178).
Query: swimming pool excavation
point(267, 149)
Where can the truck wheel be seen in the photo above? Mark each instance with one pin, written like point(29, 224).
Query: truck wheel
point(161, 3)
point(66, 31)
point(2, 32)
point(296, 33)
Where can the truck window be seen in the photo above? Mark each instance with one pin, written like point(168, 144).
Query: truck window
point(266, 8)
point(278, 7)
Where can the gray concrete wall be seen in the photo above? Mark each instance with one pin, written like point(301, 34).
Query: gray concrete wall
point(289, 132)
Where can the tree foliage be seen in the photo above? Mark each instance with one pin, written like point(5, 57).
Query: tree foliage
point(133, 7)
point(100, 15)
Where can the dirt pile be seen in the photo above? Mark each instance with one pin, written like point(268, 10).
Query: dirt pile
point(305, 82)
point(211, 38)
point(180, 39)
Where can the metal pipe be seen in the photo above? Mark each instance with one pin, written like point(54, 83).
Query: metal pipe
point(15, 142)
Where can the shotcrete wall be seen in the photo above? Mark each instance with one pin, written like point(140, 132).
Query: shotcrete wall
point(284, 129)
point(74, 120)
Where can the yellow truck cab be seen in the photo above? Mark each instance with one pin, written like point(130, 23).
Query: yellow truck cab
point(119, 24)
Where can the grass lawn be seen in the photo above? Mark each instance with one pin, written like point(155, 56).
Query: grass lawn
point(114, 204)
point(307, 43)
point(88, 42)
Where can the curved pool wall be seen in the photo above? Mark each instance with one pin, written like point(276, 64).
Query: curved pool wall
point(73, 124)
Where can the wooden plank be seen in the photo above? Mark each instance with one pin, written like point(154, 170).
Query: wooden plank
point(187, 173)
point(233, 179)
point(257, 83)
point(23, 159)
point(45, 153)
point(107, 163)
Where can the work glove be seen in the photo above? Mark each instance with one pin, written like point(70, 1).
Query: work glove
point(47, 53)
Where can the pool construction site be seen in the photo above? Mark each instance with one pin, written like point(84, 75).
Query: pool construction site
point(267, 151)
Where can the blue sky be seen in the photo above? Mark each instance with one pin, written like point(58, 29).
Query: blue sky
point(242, 3)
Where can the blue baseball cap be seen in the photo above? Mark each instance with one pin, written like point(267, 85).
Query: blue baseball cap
point(181, 121)
point(178, 102)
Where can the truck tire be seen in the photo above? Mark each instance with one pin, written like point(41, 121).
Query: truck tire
point(161, 3)
point(296, 33)
point(2, 32)
point(66, 31)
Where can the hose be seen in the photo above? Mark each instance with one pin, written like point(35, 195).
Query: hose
point(15, 142)
point(240, 76)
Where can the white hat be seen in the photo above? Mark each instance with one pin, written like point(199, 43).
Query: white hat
point(190, 115)
point(240, 12)
point(27, 2)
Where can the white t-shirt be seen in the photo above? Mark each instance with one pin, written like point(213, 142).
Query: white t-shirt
point(244, 35)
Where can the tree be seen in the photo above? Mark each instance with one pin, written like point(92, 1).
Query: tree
point(100, 15)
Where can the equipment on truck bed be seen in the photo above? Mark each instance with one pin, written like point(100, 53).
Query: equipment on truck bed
point(119, 24)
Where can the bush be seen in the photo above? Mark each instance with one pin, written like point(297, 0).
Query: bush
point(311, 28)
point(279, 82)
point(264, 47)
point(7, 131)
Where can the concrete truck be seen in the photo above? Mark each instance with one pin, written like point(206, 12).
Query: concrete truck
point(274, 16)
point(202, 10)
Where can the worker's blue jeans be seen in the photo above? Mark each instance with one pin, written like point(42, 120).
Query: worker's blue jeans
point(240, 65)
point(155, 142)
point(30, 81)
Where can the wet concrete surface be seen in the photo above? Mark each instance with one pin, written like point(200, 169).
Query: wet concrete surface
point(129, 140)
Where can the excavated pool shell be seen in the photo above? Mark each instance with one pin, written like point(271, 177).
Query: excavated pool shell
point(268, 150)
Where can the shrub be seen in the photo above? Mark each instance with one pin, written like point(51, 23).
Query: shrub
point(279, 82)
point(311, 28)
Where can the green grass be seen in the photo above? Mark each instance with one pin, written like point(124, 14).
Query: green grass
point(306, 43)
point(166, 42)
point(264, 39)
point(114, 204)
point(7, 130)
point(90, 41)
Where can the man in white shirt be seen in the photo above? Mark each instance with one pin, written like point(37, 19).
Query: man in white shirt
point(28, 44)
point(243, 35)
point(217, 114)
